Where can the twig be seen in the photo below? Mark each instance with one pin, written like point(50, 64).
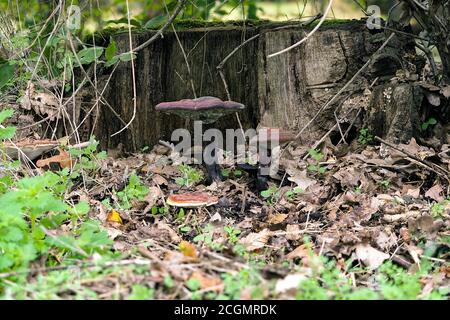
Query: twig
point(133, 74)
point(307, 36)
point(158, 34)
point(431, 166)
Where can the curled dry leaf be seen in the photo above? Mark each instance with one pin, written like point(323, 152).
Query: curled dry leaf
point(293, 232)
point(435, 193)
point(151, 198)
point(63, 159)
point(188, 249)
point(114, 217)
point(371, 257)
point(299, 252)
point(255, 241)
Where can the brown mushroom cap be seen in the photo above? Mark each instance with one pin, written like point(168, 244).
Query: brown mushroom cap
point(206, 109)
point(274, 135)
point(192, 200)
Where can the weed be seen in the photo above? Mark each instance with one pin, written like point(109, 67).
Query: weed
point(317, 156)
point(365, 137)
point(189, 176)
point(290, 194)
point(133, 191)
point(429, 123)
point(271, 195)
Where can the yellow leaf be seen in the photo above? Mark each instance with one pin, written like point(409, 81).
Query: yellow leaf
point(188, 249)
point(114, 216)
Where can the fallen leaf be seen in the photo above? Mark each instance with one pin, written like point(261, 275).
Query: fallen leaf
point(276, 218)
point(152, 197)
point(159, 180)
point(63, 159)
point(299, 252)
point(255, 241)
point(369, 256)
point(207, 282)
point(114, 217)
point(435, 193)
point(289, 285)
point(188, 249)
point(293, 232)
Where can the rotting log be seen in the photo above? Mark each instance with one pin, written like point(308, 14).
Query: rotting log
point(285, 91)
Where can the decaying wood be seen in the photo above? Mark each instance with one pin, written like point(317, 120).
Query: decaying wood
point(284, 91)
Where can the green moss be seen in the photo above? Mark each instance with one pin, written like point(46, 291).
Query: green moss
point(189, 24)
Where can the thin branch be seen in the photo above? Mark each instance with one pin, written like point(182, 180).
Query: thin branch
point(158, 34)
point(133, 75)
point(330, 3)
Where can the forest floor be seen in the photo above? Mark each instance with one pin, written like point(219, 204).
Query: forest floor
point(339, 225)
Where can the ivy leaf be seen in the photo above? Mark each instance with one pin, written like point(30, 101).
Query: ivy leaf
point(111, 50)
point(128, 56)
point(155, 22)
point(90, 55)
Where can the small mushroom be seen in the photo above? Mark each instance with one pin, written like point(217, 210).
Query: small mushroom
point(206, 109)
point(192, 200)
point(267, 139)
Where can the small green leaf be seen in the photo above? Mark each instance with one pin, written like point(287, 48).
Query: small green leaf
point(155, 22)
point(111, 50)
point(90, 55)
point(5, 114)
point(7, 133)
point(128, 56)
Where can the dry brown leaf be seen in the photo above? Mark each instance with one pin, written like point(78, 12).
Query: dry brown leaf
point(293, 232)
point(276, 218)
point(159, 180)
point(299, 252)
point(255, 241)
point(151, 198)
point(207, 282)
point(188, 249)
point(435, 193)
point(174, 237)
point(63, 159)
point(371, 257)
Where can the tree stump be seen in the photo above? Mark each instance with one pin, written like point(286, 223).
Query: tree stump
point(285, 91)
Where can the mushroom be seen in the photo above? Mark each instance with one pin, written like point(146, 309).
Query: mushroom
point(268, 139)
point(206, 109)
point(192, 200)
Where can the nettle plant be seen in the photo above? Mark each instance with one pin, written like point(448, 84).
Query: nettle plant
point(31, 207)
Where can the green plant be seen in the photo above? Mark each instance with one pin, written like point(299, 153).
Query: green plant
point(290, 194)
point(232, 233)
point(272, 194)
point(317, 156)
point(365, 137)
point(438, 208)
point(429, 123)
point(135, 190)
point(385, 184)
point(207, 237)
point(189, 176)
point(88, 158)
point(159, 210)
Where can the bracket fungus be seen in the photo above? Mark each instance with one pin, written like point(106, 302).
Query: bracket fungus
point(192, 200)
point(208, 110)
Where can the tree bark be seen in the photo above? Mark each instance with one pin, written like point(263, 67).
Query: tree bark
point(285, 91)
